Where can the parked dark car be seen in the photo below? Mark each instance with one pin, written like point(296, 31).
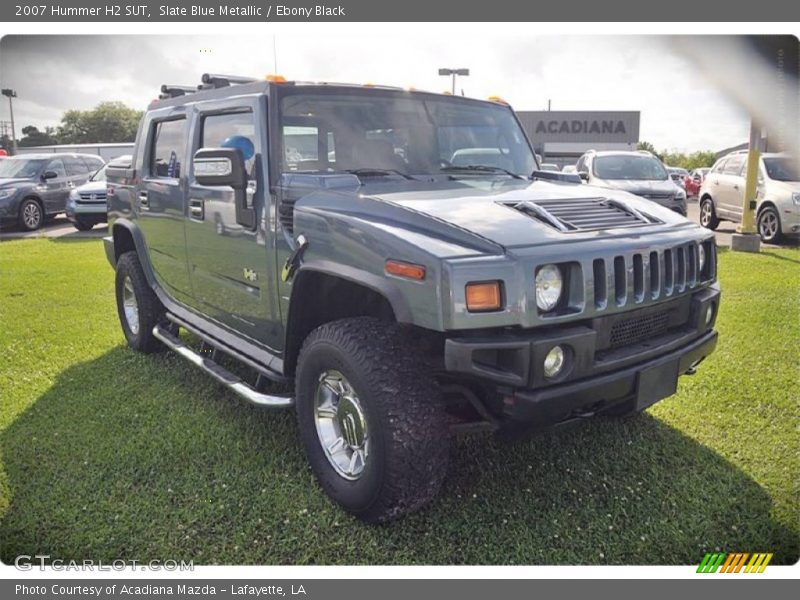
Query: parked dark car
point(35, 186)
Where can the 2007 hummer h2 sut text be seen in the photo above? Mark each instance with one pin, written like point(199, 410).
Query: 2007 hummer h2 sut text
point(396, 261)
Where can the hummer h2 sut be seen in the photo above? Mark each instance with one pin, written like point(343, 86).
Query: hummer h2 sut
point(324, 237)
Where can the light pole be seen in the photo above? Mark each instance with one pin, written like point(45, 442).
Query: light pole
point(11, 94)
point(454, 73)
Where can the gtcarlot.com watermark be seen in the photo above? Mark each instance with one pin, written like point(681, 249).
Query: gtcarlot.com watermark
point(42, 562)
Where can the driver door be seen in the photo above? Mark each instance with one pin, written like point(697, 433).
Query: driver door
point(56, 189)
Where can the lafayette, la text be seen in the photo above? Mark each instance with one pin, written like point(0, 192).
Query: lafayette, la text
point(268, 11)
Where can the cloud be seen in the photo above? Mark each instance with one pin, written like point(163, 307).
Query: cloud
point(680, 108)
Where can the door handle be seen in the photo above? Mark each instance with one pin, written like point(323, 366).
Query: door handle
point(143, 199)
point(196, 208)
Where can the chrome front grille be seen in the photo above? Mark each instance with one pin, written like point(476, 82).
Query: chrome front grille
point(652, 275)
point(92, 198)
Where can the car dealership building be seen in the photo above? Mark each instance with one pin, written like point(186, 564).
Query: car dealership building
point(561, 136)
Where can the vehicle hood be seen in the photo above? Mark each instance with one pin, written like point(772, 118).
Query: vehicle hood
point(15, 181)
point(480, 214)
point(92, 187)
point(640, 187)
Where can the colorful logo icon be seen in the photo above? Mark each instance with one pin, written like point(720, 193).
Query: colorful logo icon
point(735, 562)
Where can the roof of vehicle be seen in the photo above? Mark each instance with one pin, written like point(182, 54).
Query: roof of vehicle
point(42, 155)
point(186, 94)
point(620, 153)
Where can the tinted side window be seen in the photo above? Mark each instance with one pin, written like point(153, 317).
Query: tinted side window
point(57, 165)
point(168, 148)
point(717, 168)
point(733, 166)
point(75, 166)
point(231, 130)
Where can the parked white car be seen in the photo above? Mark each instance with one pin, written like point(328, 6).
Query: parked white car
point(778, 198)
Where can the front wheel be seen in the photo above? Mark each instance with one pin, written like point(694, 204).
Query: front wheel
point(708, 216)
point(83, 225)
point(769, 225)
point(31, 215)
point(371, 418)
point(138, 307)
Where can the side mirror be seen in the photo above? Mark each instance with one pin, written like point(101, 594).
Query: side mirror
point(220, 166)
point(226, 167)
point(49, 175)
point(584, 175)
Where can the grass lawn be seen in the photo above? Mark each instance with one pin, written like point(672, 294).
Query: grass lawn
point(105, 453)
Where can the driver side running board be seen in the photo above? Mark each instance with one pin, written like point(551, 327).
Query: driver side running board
point(221, 374)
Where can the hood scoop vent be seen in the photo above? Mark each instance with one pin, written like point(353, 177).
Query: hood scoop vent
point(583, 214)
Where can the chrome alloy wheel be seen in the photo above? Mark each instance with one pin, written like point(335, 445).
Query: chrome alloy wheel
point(130, 306)
point(32, 215)
point(768, 225)
point(705, 213)
point(341, 425)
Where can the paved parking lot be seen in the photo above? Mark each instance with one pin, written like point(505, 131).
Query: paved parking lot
point(58, 227)
point(726, 229)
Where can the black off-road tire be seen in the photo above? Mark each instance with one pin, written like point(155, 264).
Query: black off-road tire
point(408, 431)
point(713, 221)
point(151, 311)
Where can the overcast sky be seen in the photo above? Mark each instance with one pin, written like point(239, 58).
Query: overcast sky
point(680, 108)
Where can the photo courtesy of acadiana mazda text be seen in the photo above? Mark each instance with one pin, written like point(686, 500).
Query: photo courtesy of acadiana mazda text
point(397, 266)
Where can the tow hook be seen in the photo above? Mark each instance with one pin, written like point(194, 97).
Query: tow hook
point(293, 261)
point(693, 368)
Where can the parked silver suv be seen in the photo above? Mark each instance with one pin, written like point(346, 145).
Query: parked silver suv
point(777, 200)
point(637, 172)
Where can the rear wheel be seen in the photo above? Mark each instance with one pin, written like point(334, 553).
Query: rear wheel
point(769, 225)
point(138, 307)
point(708, 216)
point(371, 418)
point(31, 215)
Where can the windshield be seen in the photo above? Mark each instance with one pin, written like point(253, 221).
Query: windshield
point(626, 166)
point(400, 133)
point(20, 168)
point(99, 175)
point(781, 168)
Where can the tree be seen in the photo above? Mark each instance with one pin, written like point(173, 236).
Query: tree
point(648, 147)
point(31, 136)
point(108, 122)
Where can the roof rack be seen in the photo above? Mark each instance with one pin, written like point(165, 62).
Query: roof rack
point(211, 81)
point(173, 91)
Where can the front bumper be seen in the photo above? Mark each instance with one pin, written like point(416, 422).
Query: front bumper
point(597, 373)
point(89, 211)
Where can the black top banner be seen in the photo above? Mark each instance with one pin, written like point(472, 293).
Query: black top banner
point(406, 10)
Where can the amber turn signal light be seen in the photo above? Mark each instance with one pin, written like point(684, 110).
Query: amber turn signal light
point(407, 270)
point(482, 297)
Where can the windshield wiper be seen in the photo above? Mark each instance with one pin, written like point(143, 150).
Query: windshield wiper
point(481, 169)
point(369, 172)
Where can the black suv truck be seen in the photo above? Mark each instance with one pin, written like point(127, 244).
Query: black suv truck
point(393, 264)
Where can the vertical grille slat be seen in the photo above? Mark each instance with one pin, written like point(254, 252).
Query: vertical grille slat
point(620, 281)
point(600, 283)
point(655, 275)
point(669, 270)
point(680, 272)
point(638, 278)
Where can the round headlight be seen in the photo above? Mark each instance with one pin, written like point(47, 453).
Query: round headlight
point(549, 284)
point(701, 256)
point(554, 362)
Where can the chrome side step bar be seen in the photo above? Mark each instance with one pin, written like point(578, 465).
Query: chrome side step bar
point(221, 374)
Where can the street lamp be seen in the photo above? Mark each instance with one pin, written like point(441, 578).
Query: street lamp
point(11, 94)
point(453, 73)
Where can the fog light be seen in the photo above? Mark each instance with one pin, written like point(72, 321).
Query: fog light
point(554, 362)
point(709, 314)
